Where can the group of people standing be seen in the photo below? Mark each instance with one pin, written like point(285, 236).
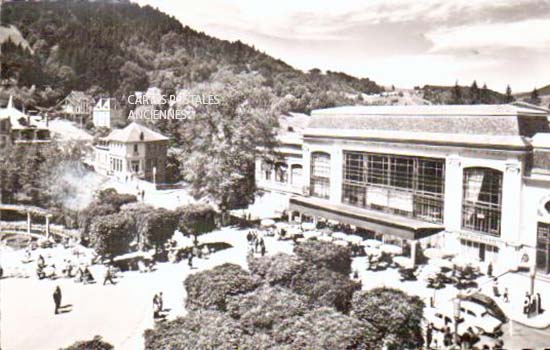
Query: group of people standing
point(532, 304)
point(256, 242)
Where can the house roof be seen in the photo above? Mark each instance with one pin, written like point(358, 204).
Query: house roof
point(491, 124)
point(19, 120)
point(106, 104)
point(135, 133)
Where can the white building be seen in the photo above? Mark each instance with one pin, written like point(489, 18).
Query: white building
point(475, 179)
point(106, 113)
point(132, 152)
point(283, 172)
point(19, 128)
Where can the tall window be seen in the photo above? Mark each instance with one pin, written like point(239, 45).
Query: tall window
point(482, 200)
point(320, 175)
point(296, 175)
point(408, 186)
point(281, 172)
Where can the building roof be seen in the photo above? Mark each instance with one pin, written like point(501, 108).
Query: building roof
point(135, 133)
point(77, 97)
point(19, 120)
point(106, 104)
point(467, 124)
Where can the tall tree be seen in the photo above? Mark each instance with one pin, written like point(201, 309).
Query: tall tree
point(457, 94)
point(509, 97)
point(223, 140)
point(474, 93)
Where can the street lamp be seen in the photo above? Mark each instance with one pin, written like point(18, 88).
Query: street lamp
point(456, 304)
point(532, 275)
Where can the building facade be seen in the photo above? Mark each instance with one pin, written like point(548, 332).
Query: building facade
point(283, 171)
point(77, 106)
point(17, 127)
point(132, 152)
point(473, 179)
point(106, 113)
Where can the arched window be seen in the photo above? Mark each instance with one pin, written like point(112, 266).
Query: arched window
point(296, 175)
point(320, 175)
point(482, 200)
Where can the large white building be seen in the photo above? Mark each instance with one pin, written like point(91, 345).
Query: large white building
point(475, 179)
point(132, 152)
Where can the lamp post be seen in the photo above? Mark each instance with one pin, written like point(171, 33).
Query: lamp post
point(456, 304)
point(532, 275)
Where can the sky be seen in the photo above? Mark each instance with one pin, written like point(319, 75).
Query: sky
point(393, 42)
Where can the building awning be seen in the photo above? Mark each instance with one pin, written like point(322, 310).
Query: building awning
point(379, 222)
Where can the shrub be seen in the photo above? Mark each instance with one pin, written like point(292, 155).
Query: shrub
point(324, 328)
point(112, 234)
point(196, 331)
point(324, 287)
point(394, 316)
point(196, 219)
point(210, 289)
point(278, 269)
point(153, 226)
point(95, 344)
point(324, 254)
point(265, 308)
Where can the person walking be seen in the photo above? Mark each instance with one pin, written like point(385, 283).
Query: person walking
point(190, 261)
point(539, 304)
point(490, 270)
point(161, 302)
point(505, 295)
point(429, 335)
point(108, 276)
point(57, 299)
point(262, 248)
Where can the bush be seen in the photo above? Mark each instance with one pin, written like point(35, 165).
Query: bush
point(324, 287)
point(196, 331)
point(112, 234)
point(278, 269)
point(265, 308)
point(324, 254)
point(153, 226)
point(394, 316)
point(196, 219)
point(95, 344)
point(210, 289)
point(324, 328)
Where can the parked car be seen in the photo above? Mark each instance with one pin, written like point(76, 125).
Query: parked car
point(478, 317)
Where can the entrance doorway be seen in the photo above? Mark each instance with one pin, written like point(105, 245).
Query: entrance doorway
point(481, 252)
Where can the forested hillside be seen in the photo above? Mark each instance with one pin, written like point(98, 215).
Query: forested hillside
point(116, 49)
